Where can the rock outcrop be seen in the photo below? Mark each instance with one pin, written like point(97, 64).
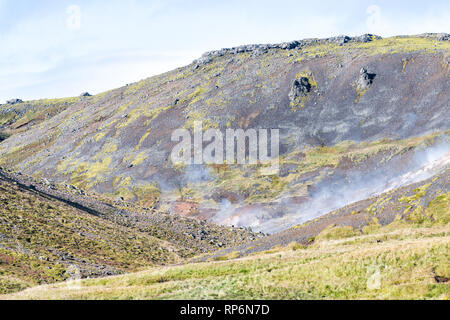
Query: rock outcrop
point(300, 88)
point(258, 49)
point(14, 101)
point(365, 79)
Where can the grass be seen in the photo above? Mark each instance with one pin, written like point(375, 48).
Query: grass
point(35, 232)
point(88, 174)
point(402, 266)
point(336, 232)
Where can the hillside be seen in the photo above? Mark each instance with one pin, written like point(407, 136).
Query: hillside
point(368, 97)
point(49, 235)
point(402, 260)
point(423, 203)
point(88, 187)
point(394, 246)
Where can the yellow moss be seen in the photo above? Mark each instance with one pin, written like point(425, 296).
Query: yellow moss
point(360, 93)
point(439, 209)
point(299, 102)
point(116, 180)
point(147, 195)
point(418, 194)
point(194, 116)
point(87, 174)
point(308, 75)
point(402, 45)
point(229, 256)
point(124, 106)
point(142, 140)
point(196, 95)
point(155, 112)
point(125, 182)
point(143, 110)
point(99, 136)
point(373, 226)
point(139, 159)
point(135, 87)
point(54, 101)
point(417, 216)
point(124, 193)
point(109, 148)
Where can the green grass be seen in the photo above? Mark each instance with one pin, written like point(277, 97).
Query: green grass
point(403, 266)
point(38, 231)
point(396, 261)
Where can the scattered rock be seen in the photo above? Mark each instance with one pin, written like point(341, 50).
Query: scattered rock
point(340, 40)
point(365, 38)
point(437, 36)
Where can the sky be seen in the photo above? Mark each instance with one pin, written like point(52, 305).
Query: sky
point(52, 49)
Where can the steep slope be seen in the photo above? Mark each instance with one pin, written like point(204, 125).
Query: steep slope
point(90, 189)
point(49, 235)
point(423, 203)
point(367, 101)
point(393, 246)
point(20, 116)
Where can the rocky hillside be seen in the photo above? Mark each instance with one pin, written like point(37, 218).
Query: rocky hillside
point(425, 203)
point(402, 260)
point(50, 234)
point(344, 106)
point(88, 188)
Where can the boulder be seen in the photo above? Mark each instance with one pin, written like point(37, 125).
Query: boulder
point(443, 37)
point(365, 79)
point(300, 88)
point(14, 101)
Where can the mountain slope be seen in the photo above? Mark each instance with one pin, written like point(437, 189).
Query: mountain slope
point(362, 90)
point(88, 187)
point(394, 246)
point(49, 235)
point(425, 203)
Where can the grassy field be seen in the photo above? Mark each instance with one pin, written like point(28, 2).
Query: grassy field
point(398, 261)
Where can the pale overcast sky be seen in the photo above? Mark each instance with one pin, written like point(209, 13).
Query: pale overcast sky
point(61, 48)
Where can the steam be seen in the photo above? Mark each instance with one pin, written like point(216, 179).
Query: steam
point(339, 190)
